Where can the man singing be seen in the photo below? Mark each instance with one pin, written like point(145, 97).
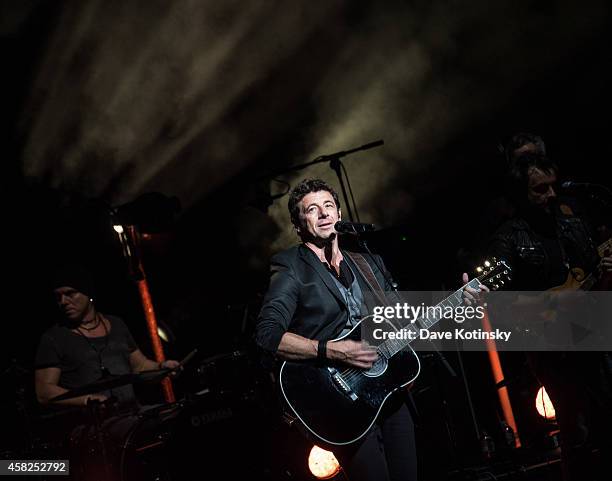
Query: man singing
point(317, 294)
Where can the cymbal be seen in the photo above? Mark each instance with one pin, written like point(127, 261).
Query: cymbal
point(113, 381)
point(224, 355)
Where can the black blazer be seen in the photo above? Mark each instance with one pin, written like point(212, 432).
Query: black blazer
point(304, 299)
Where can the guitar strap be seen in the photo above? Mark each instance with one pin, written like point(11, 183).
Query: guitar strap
point(367, 273)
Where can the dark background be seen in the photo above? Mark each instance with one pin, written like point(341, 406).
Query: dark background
point(482, 73)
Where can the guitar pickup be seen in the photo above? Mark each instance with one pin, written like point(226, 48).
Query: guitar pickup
point(342, 384)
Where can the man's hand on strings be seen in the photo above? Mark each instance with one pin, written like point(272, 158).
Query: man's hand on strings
point(606, 264)
point(353, 353)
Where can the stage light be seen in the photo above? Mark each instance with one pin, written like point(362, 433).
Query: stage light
point(162, 334)
point(544, 405)
point(118, 228)
point(323, 464)
point(165, 333)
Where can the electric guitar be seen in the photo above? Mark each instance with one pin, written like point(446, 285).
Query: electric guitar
point(337, 404)
point(578, 280)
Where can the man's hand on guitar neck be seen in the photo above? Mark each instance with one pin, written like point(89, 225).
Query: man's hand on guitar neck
point(472, 296)
point(353, 353)
point(605, 264)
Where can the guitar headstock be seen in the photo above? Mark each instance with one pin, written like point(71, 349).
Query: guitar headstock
point(494, 273)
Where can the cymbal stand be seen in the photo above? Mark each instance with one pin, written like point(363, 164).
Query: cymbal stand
point(95, 410)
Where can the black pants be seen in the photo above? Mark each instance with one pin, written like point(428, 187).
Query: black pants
point(388, 451)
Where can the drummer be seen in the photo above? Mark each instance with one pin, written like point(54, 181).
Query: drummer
point(86, 346)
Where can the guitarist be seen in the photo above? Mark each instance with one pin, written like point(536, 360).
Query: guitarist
point(316, 294)
point(544, 240)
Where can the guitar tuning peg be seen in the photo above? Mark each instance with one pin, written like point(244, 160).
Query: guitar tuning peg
point(487, 264)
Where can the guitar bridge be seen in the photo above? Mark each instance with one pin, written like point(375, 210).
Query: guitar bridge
point(342, 384)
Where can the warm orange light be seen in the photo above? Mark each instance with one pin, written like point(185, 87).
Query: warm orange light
point(498, 376)
point(544, 405)
point(322, 464)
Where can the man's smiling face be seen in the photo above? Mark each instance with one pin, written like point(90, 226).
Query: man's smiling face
point(318, 214)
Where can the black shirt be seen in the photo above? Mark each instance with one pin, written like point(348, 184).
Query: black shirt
point(345, 277)
point(81, 359)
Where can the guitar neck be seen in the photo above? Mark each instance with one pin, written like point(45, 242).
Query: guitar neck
point(605, 248)
point(390, 347)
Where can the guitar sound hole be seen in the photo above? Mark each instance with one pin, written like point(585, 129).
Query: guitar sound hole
point(378, 368)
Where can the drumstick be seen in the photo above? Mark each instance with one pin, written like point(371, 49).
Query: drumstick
point(187, 358)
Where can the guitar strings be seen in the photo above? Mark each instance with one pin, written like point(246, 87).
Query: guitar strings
point(351, 374)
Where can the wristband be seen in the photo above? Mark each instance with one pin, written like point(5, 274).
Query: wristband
point(322, 351)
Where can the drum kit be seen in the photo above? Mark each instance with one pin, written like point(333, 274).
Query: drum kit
point(110, 443)
point(162, 442)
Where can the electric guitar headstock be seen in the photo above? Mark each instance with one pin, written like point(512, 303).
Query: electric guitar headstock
point(494, 273)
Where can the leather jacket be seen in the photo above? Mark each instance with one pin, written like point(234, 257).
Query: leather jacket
point(522, 246)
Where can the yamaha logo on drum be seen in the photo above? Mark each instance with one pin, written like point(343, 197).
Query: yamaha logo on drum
point(210, 417)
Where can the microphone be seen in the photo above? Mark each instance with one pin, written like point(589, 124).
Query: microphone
point(571, 185)
point(345, 227)
point(593, 191)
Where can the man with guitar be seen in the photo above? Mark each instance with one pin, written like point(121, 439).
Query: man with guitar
point(542, 243)
point(317, 294)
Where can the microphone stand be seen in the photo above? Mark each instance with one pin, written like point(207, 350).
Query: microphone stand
point(593, 193)
point(336, 165)
point(605, 201)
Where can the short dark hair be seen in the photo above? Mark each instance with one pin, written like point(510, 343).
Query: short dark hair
point(520, 140)
point(305, 187)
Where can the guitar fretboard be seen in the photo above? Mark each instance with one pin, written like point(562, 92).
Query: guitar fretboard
point(390, 347)
point(605, 248)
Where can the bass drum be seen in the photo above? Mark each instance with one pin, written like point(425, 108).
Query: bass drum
point(127, 447)
point(218, 437)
